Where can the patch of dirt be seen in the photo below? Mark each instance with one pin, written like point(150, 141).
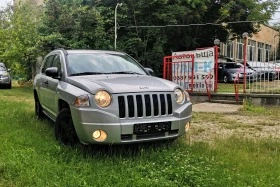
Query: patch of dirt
point(235, 124)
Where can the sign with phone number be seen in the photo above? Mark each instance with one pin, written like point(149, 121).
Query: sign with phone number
point(204, 61)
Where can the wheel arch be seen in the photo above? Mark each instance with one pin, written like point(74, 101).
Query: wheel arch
point(62, 104)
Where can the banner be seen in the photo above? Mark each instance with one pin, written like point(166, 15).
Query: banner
point(204, 63)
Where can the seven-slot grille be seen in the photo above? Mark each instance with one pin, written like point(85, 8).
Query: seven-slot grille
point(145, 105)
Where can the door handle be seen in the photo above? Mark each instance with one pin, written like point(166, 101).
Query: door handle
point(46, 82)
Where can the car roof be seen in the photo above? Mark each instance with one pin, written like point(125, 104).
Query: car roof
point(88, 51)
point(227, 62)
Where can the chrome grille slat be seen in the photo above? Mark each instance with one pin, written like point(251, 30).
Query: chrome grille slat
point(145, 105)
point(126, 106)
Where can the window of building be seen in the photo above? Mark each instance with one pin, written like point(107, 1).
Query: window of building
point(251, 50)
point(229, 49)
point(239, 48)
point(221, 49)
point(260, 52)
point(267, 52)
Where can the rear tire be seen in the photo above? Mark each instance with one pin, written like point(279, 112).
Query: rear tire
point(64, 129)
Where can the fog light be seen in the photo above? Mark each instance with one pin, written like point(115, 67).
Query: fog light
point(187, 127)
point(99, 135)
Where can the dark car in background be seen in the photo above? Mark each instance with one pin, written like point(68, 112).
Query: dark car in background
point(5, 78)
point(276, 68)
point(263, 70)
point(228, 71)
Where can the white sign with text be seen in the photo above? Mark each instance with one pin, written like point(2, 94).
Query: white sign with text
point(204, 63)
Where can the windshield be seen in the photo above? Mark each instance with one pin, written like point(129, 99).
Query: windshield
point(233, 65)
point(2, 68)
point(102, 63)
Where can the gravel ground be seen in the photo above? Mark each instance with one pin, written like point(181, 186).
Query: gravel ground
point(211, 121)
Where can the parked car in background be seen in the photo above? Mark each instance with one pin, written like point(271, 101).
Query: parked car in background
point(263, 70)
point(106, 97)
point(276, 68)
point(228, 71)
point(5, 78)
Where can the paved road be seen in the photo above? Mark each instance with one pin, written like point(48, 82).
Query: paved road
point(216, 107)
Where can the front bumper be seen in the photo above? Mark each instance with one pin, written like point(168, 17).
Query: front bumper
point(5, 80)
point(121, 131)
point(249, 78)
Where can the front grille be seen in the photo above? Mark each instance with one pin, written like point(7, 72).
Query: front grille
point(145, 105)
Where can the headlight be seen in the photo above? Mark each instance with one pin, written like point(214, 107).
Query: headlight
point(5, 75)
point(188, 96)
point(103, 99)
point(82, 101)
point(179, 96)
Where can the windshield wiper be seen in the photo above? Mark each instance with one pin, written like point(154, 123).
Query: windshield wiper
point(85, 73)
point(126, 72)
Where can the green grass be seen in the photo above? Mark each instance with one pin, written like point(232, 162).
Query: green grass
point(30, 156)
point(228, 88)
point(255, 87)
point(243, 162)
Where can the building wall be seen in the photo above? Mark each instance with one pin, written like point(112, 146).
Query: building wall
point(260, 47)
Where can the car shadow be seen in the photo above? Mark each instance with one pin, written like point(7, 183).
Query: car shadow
point(123, 150)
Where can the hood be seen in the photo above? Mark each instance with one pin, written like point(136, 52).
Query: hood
point(121, 83)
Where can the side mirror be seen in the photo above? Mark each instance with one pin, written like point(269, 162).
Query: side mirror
point(150, 71)
point(52, 72)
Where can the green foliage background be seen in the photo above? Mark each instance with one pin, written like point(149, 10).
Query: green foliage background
point(28, 31)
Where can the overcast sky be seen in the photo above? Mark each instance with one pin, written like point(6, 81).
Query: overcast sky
point(4, 2)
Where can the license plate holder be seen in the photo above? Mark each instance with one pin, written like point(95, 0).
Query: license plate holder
point(151, 128)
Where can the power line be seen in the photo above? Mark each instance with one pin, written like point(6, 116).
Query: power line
point(194, 24)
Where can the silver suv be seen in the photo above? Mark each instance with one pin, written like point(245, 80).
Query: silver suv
point(106, 97)
point(5, 78)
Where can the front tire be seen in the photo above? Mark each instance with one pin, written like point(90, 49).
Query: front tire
point(64, 129)
point(9, 85)
point(226, 79)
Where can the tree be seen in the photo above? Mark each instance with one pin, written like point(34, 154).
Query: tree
point(19, 36)
point(72, 25)
point(150, 44)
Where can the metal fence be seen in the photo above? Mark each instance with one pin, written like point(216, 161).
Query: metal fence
point(266, 77)
point(180, 72)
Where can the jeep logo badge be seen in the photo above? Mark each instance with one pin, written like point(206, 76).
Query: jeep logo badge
point(144, 87)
